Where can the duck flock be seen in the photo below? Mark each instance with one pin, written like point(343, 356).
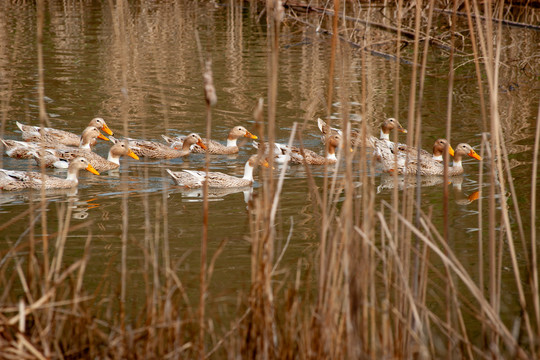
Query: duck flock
point(61, 149)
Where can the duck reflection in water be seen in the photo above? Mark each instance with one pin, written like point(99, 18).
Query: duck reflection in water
point(460, 197)
point(216, 194)
point(408, 182)
point(80, 208)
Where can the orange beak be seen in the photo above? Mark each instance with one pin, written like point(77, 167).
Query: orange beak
point(450, 150)
point(474, 196)
point(250, 135)
point(265, 163)
point(106, 129)
point(473, 154)
point(103, 137)
point(133, 155)
point(92, 170)
point(200, 143)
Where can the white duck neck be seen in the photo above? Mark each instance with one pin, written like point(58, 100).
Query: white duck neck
point(331, 156)
point(331, 153)
point(457, 162)
point(384, 136)
point(231, 142)
point(84, 145)
point(248, 172)
point(113, 158)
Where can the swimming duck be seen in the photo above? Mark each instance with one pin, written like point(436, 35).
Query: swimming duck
point(386, 127)
point(194, 179)
point(60, 158)
point(19, 149)
point(408, 153)
point(24, 150)
point(427, 166)
point(38, 134)
point(439, 148)
point(297, 155)
point(155, 150)
point(18, 180)
point(215, 147)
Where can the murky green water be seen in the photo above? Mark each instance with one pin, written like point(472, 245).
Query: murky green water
point(85, 58)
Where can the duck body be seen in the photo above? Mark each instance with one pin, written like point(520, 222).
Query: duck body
point(296, 155)
point(427, 166)
point(155, 150)
point(59, 137)
point(215, 180)
point(20, 149)
point(356, 139)
point(440, 146)
point(215, 147)
point(386, 151)
point(58, 158)
point(12, 180)
point(194, 179)
point(26, 150)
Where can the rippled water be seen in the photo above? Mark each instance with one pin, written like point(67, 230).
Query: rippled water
point(85, 58)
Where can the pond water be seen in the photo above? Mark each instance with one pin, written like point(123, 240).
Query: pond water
point(143, 77)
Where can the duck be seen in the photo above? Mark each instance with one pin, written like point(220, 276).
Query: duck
point(19, 149)
point(427, 166)
point(440, 146)
point(25, 150)
point(155, 150)
point(12, 180)
point(407, 153)
point(59, 158)
point(296, 155)
point(39, 134)
point(215, 147)
point(386, 127)
point(195, 179)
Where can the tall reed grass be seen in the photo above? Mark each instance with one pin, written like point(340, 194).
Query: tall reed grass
point(385, 282)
